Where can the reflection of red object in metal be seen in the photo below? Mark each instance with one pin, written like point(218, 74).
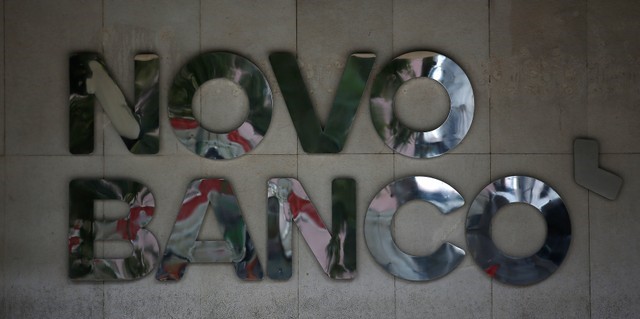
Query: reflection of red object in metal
point(298, 205)
point(174, 271)
point(492, 270)
point(250, 266)
point(236, 137)
point(128, 227)
point(206, 186)
point(74, 242)
point(179, 123)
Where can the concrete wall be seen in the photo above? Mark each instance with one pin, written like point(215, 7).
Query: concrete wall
point(543, 73)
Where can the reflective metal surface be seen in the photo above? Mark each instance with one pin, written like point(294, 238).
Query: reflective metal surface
point(184, 248)
point(220, 145)
point(379, 238)
point(314, 137)
point(336, 251)
point(587, 172)
point(415, 143)
point(509, 269)
point(136, 123)
point(85, 230)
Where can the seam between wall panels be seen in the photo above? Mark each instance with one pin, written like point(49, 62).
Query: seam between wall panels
point(393, 153)
point(104, 153)
point(4, 167)
point(491, 312)
point(588, 132)
point(297, 241)
point(4, 79)
point(4, 150)
point(200, 287)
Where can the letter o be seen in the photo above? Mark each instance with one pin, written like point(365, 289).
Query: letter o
point(508, 269)
point(237, 69)
point(419, 144)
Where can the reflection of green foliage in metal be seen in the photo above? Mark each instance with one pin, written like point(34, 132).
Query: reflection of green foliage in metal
point(387, 83)
point(229, 216)
point(81, 113)
point(343, 198)
point(313, 138)
point(135, 264)
point(146, 109)
point(82, 123)
point(279, 262)
point(220, 65)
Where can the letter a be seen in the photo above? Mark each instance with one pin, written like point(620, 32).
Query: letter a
point(183, 248)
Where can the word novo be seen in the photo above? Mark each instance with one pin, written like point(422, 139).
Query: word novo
point(288, 203)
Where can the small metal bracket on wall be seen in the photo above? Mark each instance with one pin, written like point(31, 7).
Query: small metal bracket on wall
point(589, 175)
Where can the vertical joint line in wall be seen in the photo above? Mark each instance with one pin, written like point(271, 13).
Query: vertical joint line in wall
point(296, 28)
point(393, 156)
point(297, 171)
point(200, 32)
point(3, 303)
point(4, 80)
point(102, 30)
point(491, 314)
point(589, 245)
point(102, 37)
point(104, 155)
point(587, 63)
point(4, 151)
point(489, 75)
point(587, 116)
point(200, 52)
point(392, 37)
point(104, 149)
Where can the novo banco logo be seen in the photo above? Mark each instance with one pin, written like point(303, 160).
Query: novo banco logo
point(288, 203)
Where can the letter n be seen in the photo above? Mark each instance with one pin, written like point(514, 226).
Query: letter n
point(136, 123)
point(287, 203)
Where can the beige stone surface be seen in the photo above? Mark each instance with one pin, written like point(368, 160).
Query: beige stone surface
point(35, 232)
point(544, 73)
point(2, 94)
point(613, 71)
point(538, 75)
point(613, 241)
point(39, 38)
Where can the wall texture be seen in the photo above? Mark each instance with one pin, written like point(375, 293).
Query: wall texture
point(543, 73)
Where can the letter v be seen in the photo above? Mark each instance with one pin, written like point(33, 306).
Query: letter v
point(315, 138)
